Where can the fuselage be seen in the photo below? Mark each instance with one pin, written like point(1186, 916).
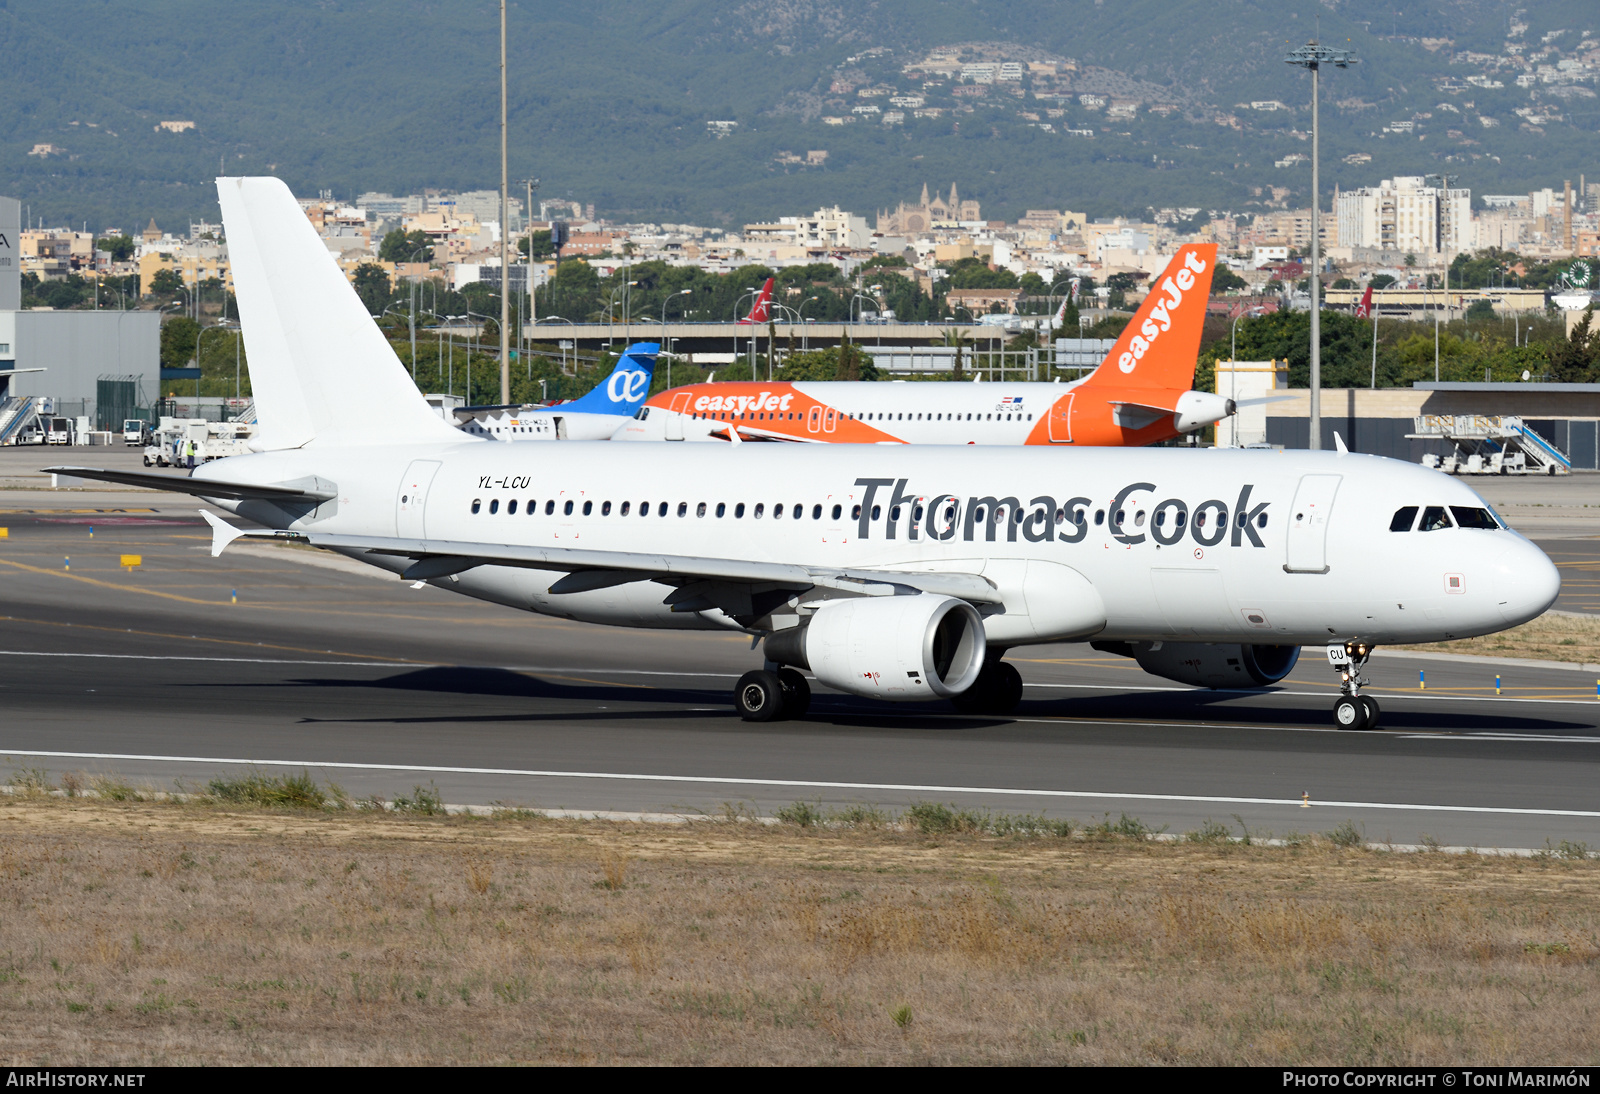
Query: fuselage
point(901, 412)
point(1214, 545)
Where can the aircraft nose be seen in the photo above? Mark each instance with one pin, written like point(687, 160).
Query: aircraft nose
point(1526, 582)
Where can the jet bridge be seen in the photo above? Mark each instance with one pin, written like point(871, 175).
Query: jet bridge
point(1489, 444)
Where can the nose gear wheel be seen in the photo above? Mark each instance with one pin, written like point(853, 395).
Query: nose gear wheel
point(1353, 711)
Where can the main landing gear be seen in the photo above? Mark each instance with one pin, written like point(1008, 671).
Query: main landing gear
point(1352, 710)
point(767, 695)
point(997, 690)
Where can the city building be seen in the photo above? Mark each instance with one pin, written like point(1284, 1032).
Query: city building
point(1408, 215)
point(911, 219)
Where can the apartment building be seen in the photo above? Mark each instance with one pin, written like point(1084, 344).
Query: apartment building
point(1408, 215)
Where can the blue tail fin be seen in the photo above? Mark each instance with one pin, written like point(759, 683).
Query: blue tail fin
point(626, 388)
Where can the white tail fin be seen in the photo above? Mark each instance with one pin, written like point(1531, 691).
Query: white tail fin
point(320, 369)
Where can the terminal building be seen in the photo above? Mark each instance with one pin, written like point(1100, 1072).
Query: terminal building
point(100, 365)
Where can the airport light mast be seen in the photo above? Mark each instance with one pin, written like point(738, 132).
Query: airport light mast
point(1313, 56)
point(505, 230)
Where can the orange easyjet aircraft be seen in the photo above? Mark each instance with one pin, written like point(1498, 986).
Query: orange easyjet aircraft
point(1140, 394)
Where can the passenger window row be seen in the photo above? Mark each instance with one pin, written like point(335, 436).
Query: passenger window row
point(886, 416)
point(765, 415)
point(796, 511)
point(1435, 517)
point(572, 507)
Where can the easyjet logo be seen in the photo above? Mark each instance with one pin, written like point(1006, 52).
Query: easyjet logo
point(1162, 314)
point(765, 400)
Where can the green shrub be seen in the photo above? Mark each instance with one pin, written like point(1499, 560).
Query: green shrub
point(1347, 835)
point(423, 802)
point(933, 819)
point(284, 791)
point(1124, 827)
point(801, 814)
point(1210, 831)
point(859, 816)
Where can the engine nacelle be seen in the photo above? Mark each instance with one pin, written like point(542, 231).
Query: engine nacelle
point(1200, 408)
point(902, 648)
point(1209, 664)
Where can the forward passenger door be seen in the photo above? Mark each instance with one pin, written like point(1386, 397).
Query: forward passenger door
point(1307, 550)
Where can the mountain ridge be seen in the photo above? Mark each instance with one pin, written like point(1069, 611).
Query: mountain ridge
point(611, 108)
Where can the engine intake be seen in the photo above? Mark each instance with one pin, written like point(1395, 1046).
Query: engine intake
point(888, 647)
point(1208, 664)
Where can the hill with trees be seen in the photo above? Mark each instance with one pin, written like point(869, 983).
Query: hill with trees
point(1120, 108)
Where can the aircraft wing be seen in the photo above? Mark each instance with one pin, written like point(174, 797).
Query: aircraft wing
point(589, 569)
point(200, 488)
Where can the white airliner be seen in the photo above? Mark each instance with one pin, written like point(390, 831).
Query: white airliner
point(890, 571)
point(1140, 393)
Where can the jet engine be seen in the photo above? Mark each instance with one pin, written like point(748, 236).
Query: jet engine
point(1200, 408)
point(1208, 664)
point(901, 648)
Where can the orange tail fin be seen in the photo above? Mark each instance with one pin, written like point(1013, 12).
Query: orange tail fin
point(1159, 348)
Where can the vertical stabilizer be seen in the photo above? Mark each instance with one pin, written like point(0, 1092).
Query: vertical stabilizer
point(321, 371)
point(624, 390)
point(760, 312)
point(1158, 350)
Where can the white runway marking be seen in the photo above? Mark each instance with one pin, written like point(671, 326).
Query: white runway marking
point(808, 784)
point(1536, 737)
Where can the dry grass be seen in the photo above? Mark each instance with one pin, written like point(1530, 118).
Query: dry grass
point(150, 933)
point(1554, 636)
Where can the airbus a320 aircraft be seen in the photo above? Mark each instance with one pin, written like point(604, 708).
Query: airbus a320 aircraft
point(1139, 395)
point(893, 572)
point(591, 417)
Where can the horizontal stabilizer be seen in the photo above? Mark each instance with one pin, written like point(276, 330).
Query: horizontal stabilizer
point(200, 488)
point(1142, 406)
point(223, 533)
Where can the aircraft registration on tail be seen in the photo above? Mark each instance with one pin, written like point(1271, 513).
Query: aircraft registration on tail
point(1139, 395)
point(893, 572)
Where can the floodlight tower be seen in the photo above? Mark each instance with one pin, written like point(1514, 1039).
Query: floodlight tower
point(1313, 56)
point(505, 230)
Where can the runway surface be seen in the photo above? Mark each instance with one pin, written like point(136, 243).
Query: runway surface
point(157, 674)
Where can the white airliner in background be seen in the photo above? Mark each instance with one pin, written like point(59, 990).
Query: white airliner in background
point(890, 571)
point(1140, 393)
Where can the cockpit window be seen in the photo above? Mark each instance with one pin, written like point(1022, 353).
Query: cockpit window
point(1404, 518)
point(1468, 516)
point(1433, 518)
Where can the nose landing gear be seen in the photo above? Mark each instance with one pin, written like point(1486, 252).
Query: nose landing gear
point(1353, 710)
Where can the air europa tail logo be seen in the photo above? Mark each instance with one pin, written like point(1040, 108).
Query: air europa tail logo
point(628, 387)
point(1162, 314)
